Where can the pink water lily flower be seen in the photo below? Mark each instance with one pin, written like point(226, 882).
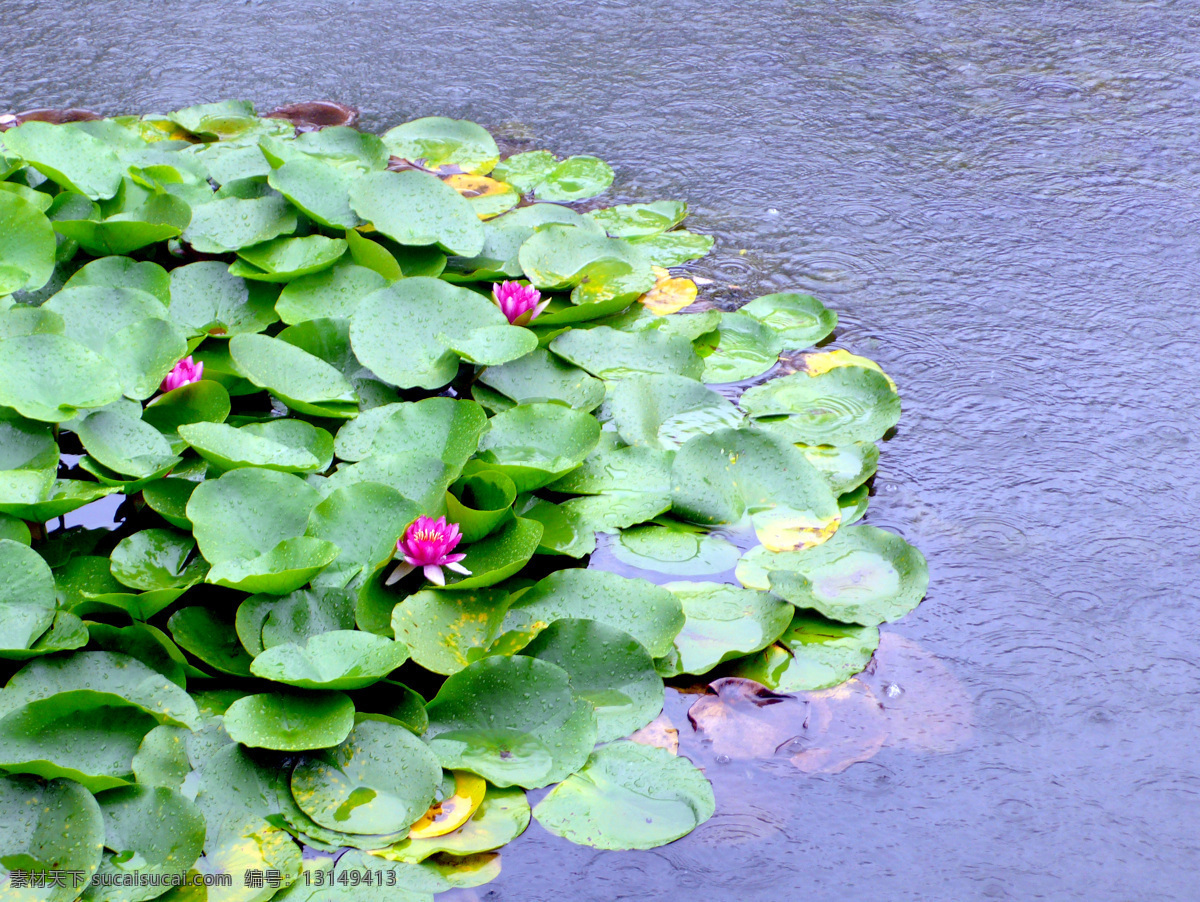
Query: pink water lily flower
point(520, 303)
point(427, 543)
point(185, 372)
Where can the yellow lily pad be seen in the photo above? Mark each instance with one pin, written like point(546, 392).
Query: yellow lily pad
point(669, 294)
point(824, 361)
point(489, 197)
point(452, 812)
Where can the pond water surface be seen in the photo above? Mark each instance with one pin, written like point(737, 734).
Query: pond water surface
point(1001, 200)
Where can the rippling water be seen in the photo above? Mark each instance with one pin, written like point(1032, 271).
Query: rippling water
point(1001, 200)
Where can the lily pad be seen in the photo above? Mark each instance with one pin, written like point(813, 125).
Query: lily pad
point(206, 299)
point(722, 623)
point(156, 559)
point(67, 156)
point(446, 631)
point(674, 549)
point(27, 599)
point(745, 348)
point(415, 208)
point(52, 378)
point(513, 721)
point(153, 832)
point(441, 324)
point(501, 817)
point(480, 502)
point(667, 410)
point(380, 779)
point(722, 477)
point(342, 659)
point(862, 575)
point(611, 354)
point(575, 178)
point(301, 380)
point(629, 220)
point(26, 245)
point(535, 444)
point(364, 520)
point(291, 446)
point(800, 320)
point(232, 223)
point(649, 613)
point(812, 653)
point(846, 404)
point(439, 427)
point(673, 248)
point(48, 828)
point(542, 376)
point(628, 796)
point(333, 292)
point(608, 668)
point(291, 722)
point(284, 259)
point(561, 256)
point(319, 189)
point(436, 142)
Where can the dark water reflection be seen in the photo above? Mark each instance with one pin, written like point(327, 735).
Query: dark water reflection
point(1001, 200)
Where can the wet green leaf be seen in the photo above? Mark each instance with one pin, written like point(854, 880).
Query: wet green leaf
point(813, 653)
point(341, 659)
point(48, 827)
point(628, 796)
point(846, 404)
point(722, 623)
point(26, 245)
point(418, 209)
point(290, 722)
point(436, 142)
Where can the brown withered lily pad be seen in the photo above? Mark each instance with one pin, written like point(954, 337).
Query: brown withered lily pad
point(54, 117)
point(314, 115)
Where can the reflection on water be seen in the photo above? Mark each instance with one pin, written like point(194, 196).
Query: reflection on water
point(1000, 200)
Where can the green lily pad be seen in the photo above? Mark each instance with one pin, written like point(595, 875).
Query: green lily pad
point(319, 189)
point(152, 832)
point(628, 796)
point(630, 220)
point(414, 208)
point(439, 427)
point(304, 382)
point(745, 348)
point(264, 621)
point(674, 549)
point(722, 623)
point(649, 613)
point(667, 410)
point(535, 444)
point(197, 402)
point(291, 446)
point(575, 178)
point(284, 259)
point(813, 653)
point(156, 559)
point(501, 817)
point(722, 477)
point(123, 442)
point(28, 460)
point(861, 575)
point(845, 467)
point(65, 495)
point(67, 156)
point(209, 635)
point(480, 502)
point(673, 248)
point(541, 376)
point(206, 299)
point(437, 142)
point(608, 668)
point(162, 216)
point(800, 320)
point(342, 659)
point(441, 323)
point(232, 223)
point(843, 405)
point(290, 722)
point(26, 245)
point(49, 828)
point(561, 256)
point(123, 272)
point(446, 631)
point(52, 378)
point(503, 237)
point(332, 293)
point(513, 721)
point(612, 354)
point(380, 779)
point(27, 598)
point(499, 556)
point(364, 520)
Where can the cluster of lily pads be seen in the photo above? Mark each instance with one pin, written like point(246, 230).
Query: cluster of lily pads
point(373, 403)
